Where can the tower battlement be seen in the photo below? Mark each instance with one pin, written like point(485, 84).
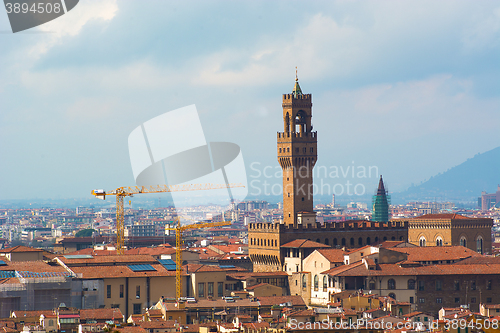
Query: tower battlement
point(360, 225)
point(290, 97)
point(282, 136)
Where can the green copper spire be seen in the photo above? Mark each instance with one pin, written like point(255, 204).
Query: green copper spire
point(381, 204)
point(296, 89)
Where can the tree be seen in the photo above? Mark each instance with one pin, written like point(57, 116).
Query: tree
point(84, 233)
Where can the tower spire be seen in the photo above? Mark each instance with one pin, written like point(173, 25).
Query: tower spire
point(381, 203)
point(296, 88)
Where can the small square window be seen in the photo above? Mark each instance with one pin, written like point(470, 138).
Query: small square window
point(488, 299)
point(439, 300)
point(473, 300)
point(457, 300)
point(421, 300)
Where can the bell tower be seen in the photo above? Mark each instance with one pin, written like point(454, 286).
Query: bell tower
point(297, 155)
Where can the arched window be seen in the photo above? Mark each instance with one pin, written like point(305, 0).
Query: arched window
point(391, 284)
point(360, 241)
point(327, 241)
point(421, 241)
point(372, 284)
point(439, 241)
point(392, 295)
point(343, 241)
point(352, 241)
point(411, 284)
point(463, 241)
point(325, 282)
point(318, 240)
point(335, 241)
point(376, 239)
point(479, 245)
point(316, 282)
point(385, 238)
point(304, 282)
point(368, 241)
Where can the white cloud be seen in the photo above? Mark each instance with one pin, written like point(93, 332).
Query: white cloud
point(72, 23)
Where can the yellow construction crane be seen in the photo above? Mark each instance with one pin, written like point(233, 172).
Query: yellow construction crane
point(178, 248)
point(128, 191)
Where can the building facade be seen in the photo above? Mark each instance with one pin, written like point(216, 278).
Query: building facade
point(451, 229)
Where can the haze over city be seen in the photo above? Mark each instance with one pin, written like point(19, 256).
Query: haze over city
point(410, 88)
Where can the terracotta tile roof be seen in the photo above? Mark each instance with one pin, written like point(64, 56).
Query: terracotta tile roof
point(395, 269)
point(340, 269)
point(32, 266)
point(206, 253)
point(256, 325)
point(272, 300)
point(131, 329)
point(359, 249)
point(441, 217)
point(303, 313)
point(413, 314)
point(10, 281)
point(479, 260)
point(31, 314)
point(101, 314)
point(332, 255)
point(220, 303)
point(111, 259)
point(151, 250)
point(390, 244)
point(158, 324)
point(195, 268)
point(19, 248)
point(436, 253)
point(245, 275)
point(92, 252)
point(304, 243)
point(96, 272)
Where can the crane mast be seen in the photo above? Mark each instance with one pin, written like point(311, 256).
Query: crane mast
point(178, 247)
point(129, 191)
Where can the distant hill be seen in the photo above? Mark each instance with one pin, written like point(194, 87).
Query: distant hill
point(463, 183)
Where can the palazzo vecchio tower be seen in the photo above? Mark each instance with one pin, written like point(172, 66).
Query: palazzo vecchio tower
point(297, 155)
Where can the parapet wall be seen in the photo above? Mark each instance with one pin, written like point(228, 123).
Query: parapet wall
point(282, 136)
point(339, 226)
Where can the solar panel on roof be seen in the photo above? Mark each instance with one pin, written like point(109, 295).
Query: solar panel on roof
point(78, 256)
point(2, 263)
point(166, 261)
point(141, 268)
point(169, 264)
point(7, 274)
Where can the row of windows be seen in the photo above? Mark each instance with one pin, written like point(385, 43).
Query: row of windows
point(210, 289)
point(122, 289)
point(438, 285)
point(360, 241)
point(304, 150)
point(263, 242)
point(463, 242)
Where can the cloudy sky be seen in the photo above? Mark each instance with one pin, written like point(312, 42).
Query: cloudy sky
point(410, 87)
